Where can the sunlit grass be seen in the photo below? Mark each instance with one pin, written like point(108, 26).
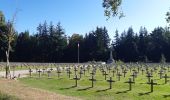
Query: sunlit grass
point(100, 91)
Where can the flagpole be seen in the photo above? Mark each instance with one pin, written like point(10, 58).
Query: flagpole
point(78, 53)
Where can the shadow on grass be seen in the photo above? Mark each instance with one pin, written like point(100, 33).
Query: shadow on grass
point(122, 91)
point(87, 88)
point(68, 88)
point(103, 90)
point(166, 96)
point(146, 93)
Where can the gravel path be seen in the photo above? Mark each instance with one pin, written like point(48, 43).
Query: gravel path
point(18, 73)
point(23, 92)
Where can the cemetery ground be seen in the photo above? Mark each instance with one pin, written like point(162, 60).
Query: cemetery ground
point(106, 84)
point(124, 82)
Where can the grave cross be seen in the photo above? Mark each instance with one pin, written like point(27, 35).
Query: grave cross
point(160, 74)
point(43, 70)
point(39, 73)
point(110, 82)
point(149, 75)
point(142, 71)
point(166, 78)
point(76, 79)
point(92, 80)
point(58, 73)
point(124, 73)
point(119, 75)
point(130, 83)
point(113, 72)
point(69, 73)
point(81, 72)
point(105, 74)
point(152, 84)
point(49, 73)
point(92, 73)
point(84, 71)
point(75, 70)
point(133, 75)
point(30, 71)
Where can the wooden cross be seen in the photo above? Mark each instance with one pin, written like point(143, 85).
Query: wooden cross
point(69, 73)
point(76, 79)
point(152, 84)
point(113, 72)
point(142, 71)
point(124, 73)
point(110, 82)
point(130, 83)
point(105, 74)
point(43, 70)
point(151, 72)
point(75, 70)
point(58, 73)
point(119, 75)
point(84, 71)
point(160, 73)
point(166, 78)
point(49, 72)
point(36, 70)
point(92, 80)
point(39, 73)
point(92, 73)
point(133, 75)
point(81, 72)
point(30, 71)
point(149, 77)
point(117, 70)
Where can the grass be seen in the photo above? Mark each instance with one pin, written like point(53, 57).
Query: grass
point(100, 91)
point(7, 97)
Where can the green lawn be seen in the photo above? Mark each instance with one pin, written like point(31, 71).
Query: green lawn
point(100, 91)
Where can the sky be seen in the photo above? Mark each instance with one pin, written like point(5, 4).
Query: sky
point(83, 16)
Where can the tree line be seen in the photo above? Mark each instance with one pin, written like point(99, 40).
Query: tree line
point(50, 43)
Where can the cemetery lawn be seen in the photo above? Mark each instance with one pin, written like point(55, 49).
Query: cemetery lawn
point(100, 91)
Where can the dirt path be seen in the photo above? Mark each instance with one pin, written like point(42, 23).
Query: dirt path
point(14, 87)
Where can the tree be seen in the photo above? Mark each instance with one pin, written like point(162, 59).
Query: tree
point(112, 8)
point(168, 17)
point(9, 35)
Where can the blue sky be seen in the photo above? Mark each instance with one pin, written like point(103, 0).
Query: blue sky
point(82, 16)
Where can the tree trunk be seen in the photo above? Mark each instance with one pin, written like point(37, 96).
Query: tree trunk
point(7, 62)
